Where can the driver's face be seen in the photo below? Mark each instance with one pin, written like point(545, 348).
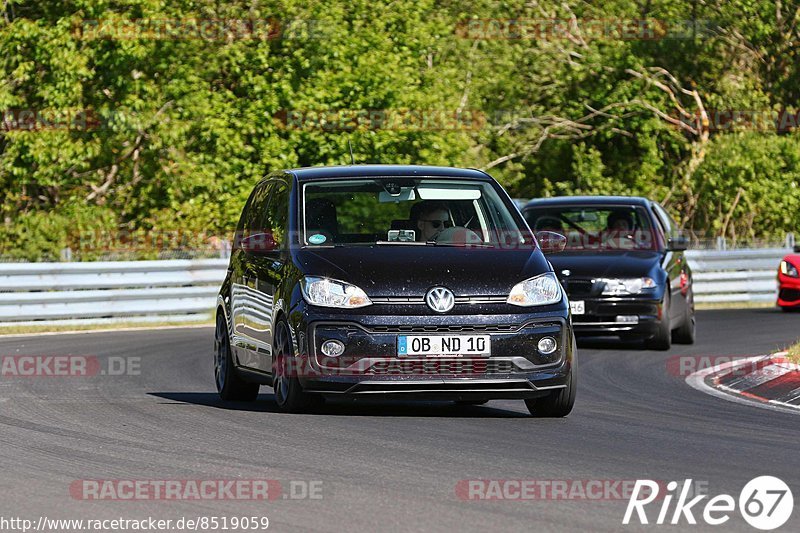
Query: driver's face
point(621, 225)
point(432, 223)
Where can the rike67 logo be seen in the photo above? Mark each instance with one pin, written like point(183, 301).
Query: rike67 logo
point(765, 503)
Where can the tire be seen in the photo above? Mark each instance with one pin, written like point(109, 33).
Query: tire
point(557, 404)
point(230, 386)
point(662, 340)
point(289, 394)
point(686, 333)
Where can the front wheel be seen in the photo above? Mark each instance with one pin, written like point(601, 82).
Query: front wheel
point(289, 394)
point(230, 386)
point(559, 403)
point(687, 332)
point(662, 340)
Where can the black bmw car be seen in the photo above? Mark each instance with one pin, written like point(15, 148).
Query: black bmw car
point(392, 282)
point(623, 268)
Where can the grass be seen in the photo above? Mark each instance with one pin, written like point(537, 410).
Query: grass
point(24, 330)
point(794, 353)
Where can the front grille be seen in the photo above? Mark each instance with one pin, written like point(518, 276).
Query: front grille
point(578, 287)
point(420, 300)
point(790, 295)
point(492, 328)
point(440, 367)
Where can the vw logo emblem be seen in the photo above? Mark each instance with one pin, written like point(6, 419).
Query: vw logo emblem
point(440, 299)
point(566, 272)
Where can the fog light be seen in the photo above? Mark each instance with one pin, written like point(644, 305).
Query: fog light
point(547, 345)
point(332, 348)
point(628, 319)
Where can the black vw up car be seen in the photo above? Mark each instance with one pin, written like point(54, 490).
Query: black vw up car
point(392, 282)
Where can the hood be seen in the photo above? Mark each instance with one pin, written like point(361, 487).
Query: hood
point(384, 271)
point(793, 259)
point(630, 264)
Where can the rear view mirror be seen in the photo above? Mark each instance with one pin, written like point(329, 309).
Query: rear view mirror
point(678, 243)
point(551, 242)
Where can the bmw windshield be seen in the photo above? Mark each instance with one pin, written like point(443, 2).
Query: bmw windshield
point(590, 228)
point(408, 211)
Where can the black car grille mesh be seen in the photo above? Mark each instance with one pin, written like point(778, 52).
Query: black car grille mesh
point(790, 295)
point(576, 287)
point(499, 328)
point(439, 367)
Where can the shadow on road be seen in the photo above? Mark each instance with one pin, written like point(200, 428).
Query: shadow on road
point(609, 343)
point(266, 404)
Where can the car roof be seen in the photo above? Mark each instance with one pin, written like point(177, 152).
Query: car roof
point(380, 171)
point(588, 200)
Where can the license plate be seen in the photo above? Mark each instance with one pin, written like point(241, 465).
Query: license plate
point(577, 307)
point(439, 345)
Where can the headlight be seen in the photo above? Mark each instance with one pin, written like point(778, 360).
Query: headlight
point(616, 287)
point(788, 269)
point(541, 290)
point(328, 292)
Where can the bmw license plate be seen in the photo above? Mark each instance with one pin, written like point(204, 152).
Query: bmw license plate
point(578, 307)
point(444, 345)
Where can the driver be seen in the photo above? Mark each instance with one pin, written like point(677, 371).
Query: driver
point(430, 218)
point(621, 221)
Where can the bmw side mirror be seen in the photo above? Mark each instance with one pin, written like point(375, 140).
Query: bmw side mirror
point(551, 242)
point(678, 243)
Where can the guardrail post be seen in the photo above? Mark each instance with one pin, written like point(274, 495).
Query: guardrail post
point(790, 241)
point(66, 255)
point(722, 243)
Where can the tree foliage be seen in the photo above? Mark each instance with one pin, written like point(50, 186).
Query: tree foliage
point(170, 133)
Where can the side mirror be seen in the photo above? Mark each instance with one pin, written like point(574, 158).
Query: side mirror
point(797, 248)
point(551, 242)
point(677, 243)
point(259, 243)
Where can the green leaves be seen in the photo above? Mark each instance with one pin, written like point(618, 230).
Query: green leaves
point(180, 127)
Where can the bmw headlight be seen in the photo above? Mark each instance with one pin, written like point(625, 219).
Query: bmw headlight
point(788, 269)
point(617, 287)
point(543, 289)
point(327, 292)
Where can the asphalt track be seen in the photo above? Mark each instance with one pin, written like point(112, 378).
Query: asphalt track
point(384, 466)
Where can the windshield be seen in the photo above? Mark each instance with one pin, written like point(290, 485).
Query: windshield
point(596, 228)
point(407, 211)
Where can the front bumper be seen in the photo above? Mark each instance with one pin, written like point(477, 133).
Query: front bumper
point(602, 317)
point(788, 291)
point(370, 366)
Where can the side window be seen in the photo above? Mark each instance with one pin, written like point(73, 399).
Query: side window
point(254, 218)
point(275, 215)
point(669, 224)
point(247, 220)
point(661, 227)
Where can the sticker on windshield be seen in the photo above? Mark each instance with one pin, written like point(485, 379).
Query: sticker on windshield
point(317, 238)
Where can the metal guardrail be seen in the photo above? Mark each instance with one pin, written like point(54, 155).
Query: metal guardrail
point(185, 290)
point(736, 275)
point(111, 291)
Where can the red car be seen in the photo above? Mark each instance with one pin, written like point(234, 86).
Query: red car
point(789, 281)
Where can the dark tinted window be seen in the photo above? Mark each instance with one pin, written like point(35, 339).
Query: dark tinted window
point(276, 212)
point(596, 227)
